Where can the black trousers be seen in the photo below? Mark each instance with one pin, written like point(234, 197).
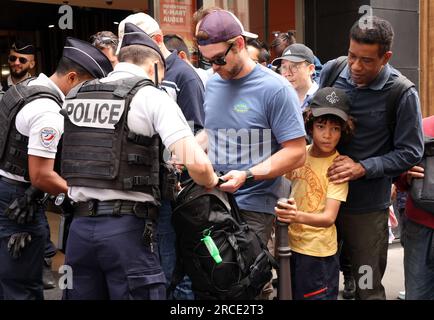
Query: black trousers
point(366, 239)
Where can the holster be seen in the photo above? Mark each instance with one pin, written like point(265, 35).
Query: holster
point(169, 182)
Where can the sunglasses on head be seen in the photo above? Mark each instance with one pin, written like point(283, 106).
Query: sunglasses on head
point(21, 59)
point(220, 61)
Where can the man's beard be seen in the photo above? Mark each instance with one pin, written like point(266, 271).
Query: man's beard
point(232, 73)
point(19, 75)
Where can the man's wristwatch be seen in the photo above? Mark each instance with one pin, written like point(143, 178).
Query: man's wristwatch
point(249, 176)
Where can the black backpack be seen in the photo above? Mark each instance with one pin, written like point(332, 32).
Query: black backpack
point(399, 87)
point(246, 263)
point(422, 190)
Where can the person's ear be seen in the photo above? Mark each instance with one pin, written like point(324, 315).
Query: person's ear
point(72, 77)
point(387, 56)
point(32, 64)
point(182, 55)
point(240, 43)
point(158, 38)
point(311, 69)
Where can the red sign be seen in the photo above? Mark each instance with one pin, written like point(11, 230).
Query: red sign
point(176, 16)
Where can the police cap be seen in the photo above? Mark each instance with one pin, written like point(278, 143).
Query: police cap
point(89, 57)
point(23, 47)
point(135, 36)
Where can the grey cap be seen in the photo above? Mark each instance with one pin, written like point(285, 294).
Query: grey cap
point(330, 101)
point(296, 52)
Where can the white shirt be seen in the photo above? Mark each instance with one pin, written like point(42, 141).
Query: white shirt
point(41, 121)
point(152, 112)
point(203, 74)
point(11, 83)
point(313, 89)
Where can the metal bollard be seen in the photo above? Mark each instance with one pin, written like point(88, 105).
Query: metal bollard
point(284, 290)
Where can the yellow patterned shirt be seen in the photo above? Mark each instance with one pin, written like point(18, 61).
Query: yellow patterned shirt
point(310, 189)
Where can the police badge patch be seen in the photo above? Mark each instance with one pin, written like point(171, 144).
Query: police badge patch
point(48, 135)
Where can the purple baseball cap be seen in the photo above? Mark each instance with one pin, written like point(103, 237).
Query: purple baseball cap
point(221, 26)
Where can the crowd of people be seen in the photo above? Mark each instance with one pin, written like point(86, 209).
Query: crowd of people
point(93, 135)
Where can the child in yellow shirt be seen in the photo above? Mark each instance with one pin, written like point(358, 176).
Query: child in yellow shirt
point(314, 203)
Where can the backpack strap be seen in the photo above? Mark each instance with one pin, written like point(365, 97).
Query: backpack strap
point(396, 92)
point(338, 67)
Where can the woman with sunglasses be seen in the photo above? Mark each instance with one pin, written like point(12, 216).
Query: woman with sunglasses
point(21, 60)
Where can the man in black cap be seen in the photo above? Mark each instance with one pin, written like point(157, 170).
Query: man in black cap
point(297, 66)
point(21, 60)
point(111, 160)
point(29, 114)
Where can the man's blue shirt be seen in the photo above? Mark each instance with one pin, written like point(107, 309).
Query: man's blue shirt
point(247, 120)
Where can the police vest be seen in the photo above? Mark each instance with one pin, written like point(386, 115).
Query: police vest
point(99, 150)
point(13, 145)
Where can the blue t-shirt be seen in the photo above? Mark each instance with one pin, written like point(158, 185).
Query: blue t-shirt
point(247, 120)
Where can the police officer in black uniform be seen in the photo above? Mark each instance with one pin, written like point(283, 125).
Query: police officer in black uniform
point(32, 126)
point(115, 130)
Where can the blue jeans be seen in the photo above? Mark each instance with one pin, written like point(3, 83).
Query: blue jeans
point(50, 247)
point(21, 279)
point(167, 250)
point(418, 242)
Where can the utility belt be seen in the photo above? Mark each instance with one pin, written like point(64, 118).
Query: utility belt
point(115, 208)
point(119, 208)
point(15, 182)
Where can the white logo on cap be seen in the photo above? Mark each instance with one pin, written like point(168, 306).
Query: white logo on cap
point(333, 98)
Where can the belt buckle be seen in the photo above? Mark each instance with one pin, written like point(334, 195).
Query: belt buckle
point(117, 208)
point(91, 208)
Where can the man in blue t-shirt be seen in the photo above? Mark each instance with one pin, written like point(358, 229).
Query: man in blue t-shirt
point(253, 122)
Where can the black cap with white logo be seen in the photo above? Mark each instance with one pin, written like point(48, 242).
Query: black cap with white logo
point(296, 52)
point(330, 101)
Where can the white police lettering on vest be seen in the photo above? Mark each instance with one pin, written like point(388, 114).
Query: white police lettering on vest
point(91, 113)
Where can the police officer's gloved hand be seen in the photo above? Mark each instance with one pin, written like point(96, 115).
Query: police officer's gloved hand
point(23, 209)
point(17, 243)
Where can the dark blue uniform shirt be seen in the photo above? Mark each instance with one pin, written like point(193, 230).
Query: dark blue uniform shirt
point(382, 155)
point(185, 87)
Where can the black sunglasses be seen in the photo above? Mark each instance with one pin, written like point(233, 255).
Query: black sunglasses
point(220, 61)
point(22, 59)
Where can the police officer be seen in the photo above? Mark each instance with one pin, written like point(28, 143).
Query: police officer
point(32, 127)
point(21, 61)
point(112, 162)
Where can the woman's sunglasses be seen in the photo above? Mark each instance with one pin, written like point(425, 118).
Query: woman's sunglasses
point(21, 59)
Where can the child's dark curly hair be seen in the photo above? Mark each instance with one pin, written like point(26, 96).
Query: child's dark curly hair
point(347, 127)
